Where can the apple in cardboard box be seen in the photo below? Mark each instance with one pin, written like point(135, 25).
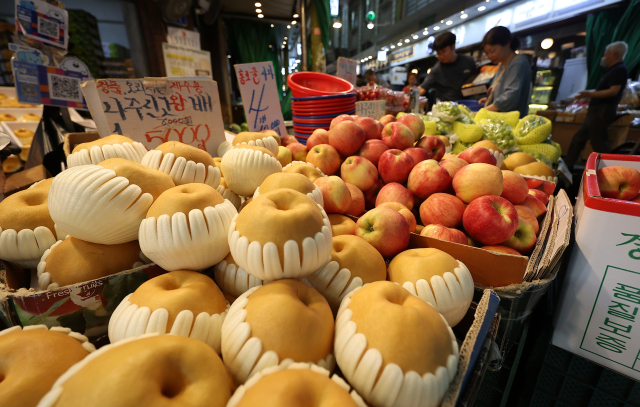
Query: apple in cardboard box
point(359, 171)
point(475, 180)
point(385, 229)
point(543, 197)
point(442, 209)
point(444, 233)
point(428, 178)
point(357, 201)
point(394, 166)
point(535, 205)
point(319, 136)
point(501, 249)
point(346, 137)
point(418, 154)
point(524, 239)
point(397, 135)
point(335, 193)
point(514, 187)
point(474, 155)
point(434, 146)
point(394, 192)
point(618, 182)
point(324, 157)
point(371, 128)
point(408, 215)
point(528, 215)
point(372, 150)
point(490, 219)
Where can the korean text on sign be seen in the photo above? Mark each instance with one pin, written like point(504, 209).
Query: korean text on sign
point(260, 97)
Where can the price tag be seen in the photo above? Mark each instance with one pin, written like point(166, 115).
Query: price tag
point(259, 93)
point(347, 69)
point(156, 110)
point(179, 61)
point(183, 38)
point(374, 109)
point(43, 22)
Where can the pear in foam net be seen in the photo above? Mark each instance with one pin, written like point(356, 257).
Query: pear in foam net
point(105, 203)
point(246, 166)
point(437, 278)
point(26, 228)
point(148, 371)
point(297, 182)
point(184, 303)
point(235, 199)
point(257, 140)
point(185, 164)
point(410, 362)
point(281, 234)
point(280, 323)
point(233, 280)
point(33, 359)
point(113, 146)
point(187, 228)
point(73, 261)
point(308, 170)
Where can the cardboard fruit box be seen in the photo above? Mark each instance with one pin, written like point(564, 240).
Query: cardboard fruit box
point(598, 316)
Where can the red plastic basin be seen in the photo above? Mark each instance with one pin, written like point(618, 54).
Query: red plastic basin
point(304, 84)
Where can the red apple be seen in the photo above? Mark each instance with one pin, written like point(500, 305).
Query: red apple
point(286, 140)
point(319, 136)
point(501, 249)
point(397, 135)
point(370, 127)
point(535, 205)
point(384, 120)
point(453, 165)
point(324, 157)
point(490, 219)
point(434, 146)
point(371, 194)
point(357, 201)
point(524, 238)
point(346, 137)
point(380, 127)
point(618, 182)
point(298, 151)
point(444, 233)
point(414, 123)
point(335, 193)
point(372, 150)
point(408, 215)
point(395, 192)
point(340, 119)
point(418, 154)
point(474, 155)
point(543, 197)
point(475, 180)
point(395, 166)
point(442, 209)
point(385, 229)
point(514, 187)
point(528, 215)
point(359, 172)
point(427, 178)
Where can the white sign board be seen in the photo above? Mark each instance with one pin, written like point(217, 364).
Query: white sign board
point(347, 69)
point(259, 92)
point(531, 11)
point(374, 109)
point(183, 38)
point(156, 110)
point(180, 61)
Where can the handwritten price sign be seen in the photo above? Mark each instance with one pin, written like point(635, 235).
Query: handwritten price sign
point(374, 109)
point(347, 69)
point(260, 97)
point(156, 110)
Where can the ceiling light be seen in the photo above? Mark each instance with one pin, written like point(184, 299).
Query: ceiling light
point(271, 25)
point(288, 26)
point(370, 57)
point(415, 37)
point(258, 5)
point(437, 27)
point(228, 56)
point(552, 55)
point(407, 40)
point(294, 22)
point(500, 1)
point(337, 24)
point(270, 46)
point(258, 10)
point(442, 21)
point(428, 71)
point(546, 43)
point(370, 25)
point(449, 22)
point(400, 43)
point(414, 71)
point(464, 16)
point(482, 8)
point(286, 38)
point(425, 33)
point(283, 47)
point(462, 12)
point(392, 47)
point(260, 16)
point(295, 16)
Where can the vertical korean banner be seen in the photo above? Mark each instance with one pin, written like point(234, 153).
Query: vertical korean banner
point(156, 110)
point(260, 97)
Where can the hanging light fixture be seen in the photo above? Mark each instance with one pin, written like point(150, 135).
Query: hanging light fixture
point(546, 43)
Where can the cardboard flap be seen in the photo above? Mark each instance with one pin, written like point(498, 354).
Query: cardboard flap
point(487, 268)
point(71, 140)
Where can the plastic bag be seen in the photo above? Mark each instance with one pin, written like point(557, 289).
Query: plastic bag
point(630, 96)
point(441, 128)
point(511, 118)
point(447, 111)
point(499, 132)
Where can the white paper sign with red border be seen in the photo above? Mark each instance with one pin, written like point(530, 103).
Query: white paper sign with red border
point(259, 91)
point(156, 110)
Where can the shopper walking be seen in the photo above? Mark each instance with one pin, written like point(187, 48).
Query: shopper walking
point(511, 87)
point(603, 104)
point(450, 72)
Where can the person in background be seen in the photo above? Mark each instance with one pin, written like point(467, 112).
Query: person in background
point(450, 72)
point(360, 81)
point(413, 80)
point(603, 104)
point(373, 79)
point(511, 87)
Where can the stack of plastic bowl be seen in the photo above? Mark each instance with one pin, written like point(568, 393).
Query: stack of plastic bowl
point(317, 99)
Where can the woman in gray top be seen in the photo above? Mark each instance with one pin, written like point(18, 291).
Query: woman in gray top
point(511, 88)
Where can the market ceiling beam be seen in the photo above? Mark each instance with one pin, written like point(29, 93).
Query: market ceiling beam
point(254, 18)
